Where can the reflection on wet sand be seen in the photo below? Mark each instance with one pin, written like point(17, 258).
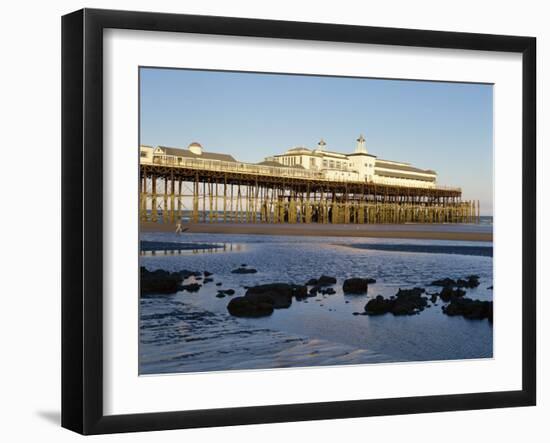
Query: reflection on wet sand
point(191, 250)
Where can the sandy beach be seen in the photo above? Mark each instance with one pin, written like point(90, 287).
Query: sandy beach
point(460, 232)
point(192, 328)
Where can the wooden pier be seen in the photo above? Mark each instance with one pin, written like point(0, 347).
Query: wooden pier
point(222, 192)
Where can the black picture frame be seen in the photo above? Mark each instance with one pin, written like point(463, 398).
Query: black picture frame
point(82, 218)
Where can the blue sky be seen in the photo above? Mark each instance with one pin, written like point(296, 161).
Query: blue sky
point(443, 126)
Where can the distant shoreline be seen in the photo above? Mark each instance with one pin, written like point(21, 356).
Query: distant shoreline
point(405, 231)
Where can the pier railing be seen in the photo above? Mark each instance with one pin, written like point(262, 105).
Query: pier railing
point(260, 170)
point(225, 166)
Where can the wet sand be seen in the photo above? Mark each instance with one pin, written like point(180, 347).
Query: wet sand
point(407, 231)
point(175, 246)
point(190, 332)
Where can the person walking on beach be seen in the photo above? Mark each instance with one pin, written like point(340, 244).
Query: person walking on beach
point(179, 228)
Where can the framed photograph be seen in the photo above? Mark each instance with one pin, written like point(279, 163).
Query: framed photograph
point(268, 221)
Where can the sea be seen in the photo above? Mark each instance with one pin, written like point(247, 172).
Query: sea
point(193, 332)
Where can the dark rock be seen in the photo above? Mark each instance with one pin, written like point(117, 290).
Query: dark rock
point(433, 297)
point(243, 270)
point(249, 307)
point(448, 293)
point(313, 291)
point(159, 281)
point(410, 292)
point(409, 301)
point(198, 278)
point(192, 287)
point(472, 281)
point(405, 302)
point(490, 287)
point(220, 295)
point(355, 286)
point(219, 283)
point(470, 309)
point(186, 274)
point(299, 291)
point(327, 291)
point(370, 281)
point(326, 280)
point(208, 280)
point(280, 293)
point(378, 306)
point(261, 300)
point(443, 282)
point(207, 274)
point(312, 282)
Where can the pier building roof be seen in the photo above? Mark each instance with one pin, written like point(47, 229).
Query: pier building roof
point(178, 152)
point(279, 165)
point(401, 166)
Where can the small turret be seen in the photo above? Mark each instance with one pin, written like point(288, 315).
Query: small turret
point(321, 145)
point(195, 148)
point(361, 145)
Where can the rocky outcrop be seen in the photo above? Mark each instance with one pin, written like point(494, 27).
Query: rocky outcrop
point(326, 280)
point(320, 290)
point(444, 282)
point(470, 309)
point(449, 293)
point(471, 281)
point(356, 285)
point(263, 299)
point(250, 307)
point(159, 281)
point(186, 274)
point(192, 287)
point(281, 293)
point(405, 302)
point(244, 270)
